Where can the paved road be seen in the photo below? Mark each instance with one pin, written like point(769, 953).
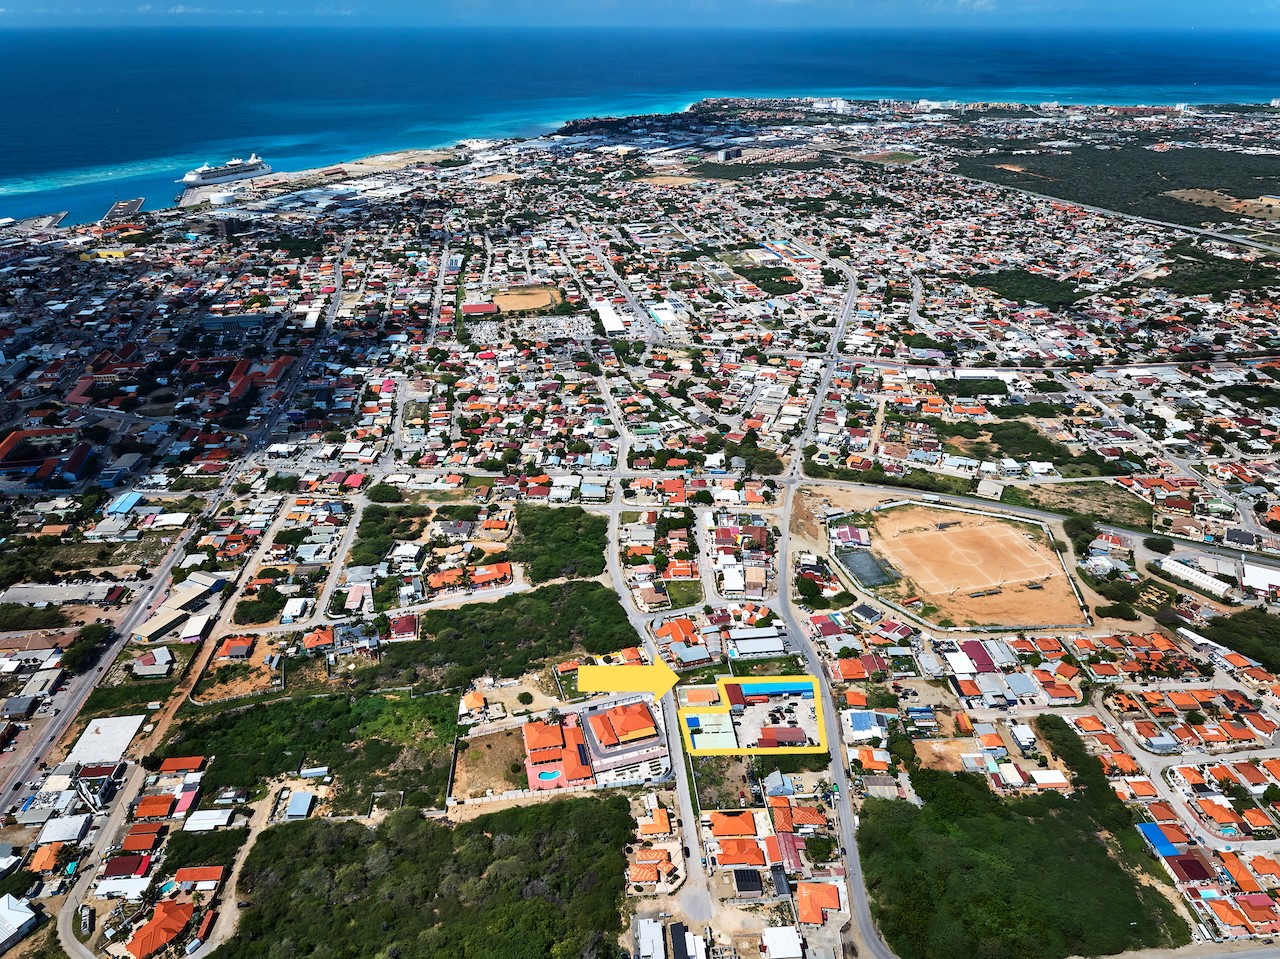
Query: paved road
point(67, 917)
point(694, 897)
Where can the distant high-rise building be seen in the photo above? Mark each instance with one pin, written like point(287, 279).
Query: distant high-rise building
point(730, 153)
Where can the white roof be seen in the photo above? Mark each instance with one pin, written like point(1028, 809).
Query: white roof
point(294, 608)
point(1049, 779)
point(65, 829)
point(206, 820)
point(105, 740)
point(130, 887)
point(960, 663)
point(650, 939)
point(14, 915)
point(1253, 576)
point(781, 942)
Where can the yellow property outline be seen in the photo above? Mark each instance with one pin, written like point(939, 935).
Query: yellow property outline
point(721, 683)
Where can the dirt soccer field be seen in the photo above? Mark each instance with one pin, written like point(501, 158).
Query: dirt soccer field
point(527, 298)
point(975, 554)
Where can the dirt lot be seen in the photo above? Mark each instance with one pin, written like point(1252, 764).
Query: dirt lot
point(944, 754)
point(528, 298)
point(974, 554)
point(1259, 208)
point(248, 676)
point(499, 178)
point(721, 781)
point(809, 502)
point(1107, 501)
point(486, 764)
point(668, 180)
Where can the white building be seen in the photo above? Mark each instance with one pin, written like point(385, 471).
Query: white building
point(781, 942)
point(17, 919)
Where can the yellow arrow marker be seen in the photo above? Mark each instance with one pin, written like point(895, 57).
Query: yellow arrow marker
point(656, 679)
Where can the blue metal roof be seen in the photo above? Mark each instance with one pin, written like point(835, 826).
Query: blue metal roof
point(1156, 837)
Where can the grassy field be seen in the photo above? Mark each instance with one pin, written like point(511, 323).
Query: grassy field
point(127, 697)
point(684, 593)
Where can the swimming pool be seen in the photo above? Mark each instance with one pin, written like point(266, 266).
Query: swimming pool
point(549, 774)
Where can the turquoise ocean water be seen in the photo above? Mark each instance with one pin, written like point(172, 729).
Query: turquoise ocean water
point(92, 115)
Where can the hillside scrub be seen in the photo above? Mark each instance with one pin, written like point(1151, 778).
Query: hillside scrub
point(539, 882)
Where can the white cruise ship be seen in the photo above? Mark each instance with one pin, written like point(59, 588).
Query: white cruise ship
point(233, 169)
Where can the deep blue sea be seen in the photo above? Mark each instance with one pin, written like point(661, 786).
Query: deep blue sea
point(91, 115)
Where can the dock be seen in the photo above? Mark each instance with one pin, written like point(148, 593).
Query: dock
point(122, 210)
point(46, 221)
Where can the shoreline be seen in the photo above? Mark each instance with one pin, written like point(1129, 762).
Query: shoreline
point(543, 128)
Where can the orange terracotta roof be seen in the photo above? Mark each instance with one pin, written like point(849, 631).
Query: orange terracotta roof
point(732, 824)
point(46, 857)
point(153, 807)
point(813, 899)
point(741, 852)
point(163, 928)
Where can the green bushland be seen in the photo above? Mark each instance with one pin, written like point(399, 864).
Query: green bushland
point(971, 388)
point(539, 882)
point(912, 479)
point(291, 537)
point(217, 848)
point(793, 764)
point(384, 493)
point(381, 527)
point(1021, 441)
point(17, 883)
point(509, 637)
point(461, 512)
point(743, 171)
point(1194, 271)
point(86, 649)
point(370, 742)
point(1026, 287)
point(971, 875)
point(128, 695)
point(1106, 502)
point(771, 280)
point(760, 462)
point(564, 541)
point(1133, 179)
point(265, 606)
point(15, 616)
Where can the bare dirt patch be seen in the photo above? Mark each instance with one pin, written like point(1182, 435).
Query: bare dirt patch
point(947, 558)
point(499, 178)
point(527, 298)
point(668, 180)
point(1014, 168)
point(486, 764)
point(1259, 208)
point(808, 504)
point(239, 678)
point(944, 754)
